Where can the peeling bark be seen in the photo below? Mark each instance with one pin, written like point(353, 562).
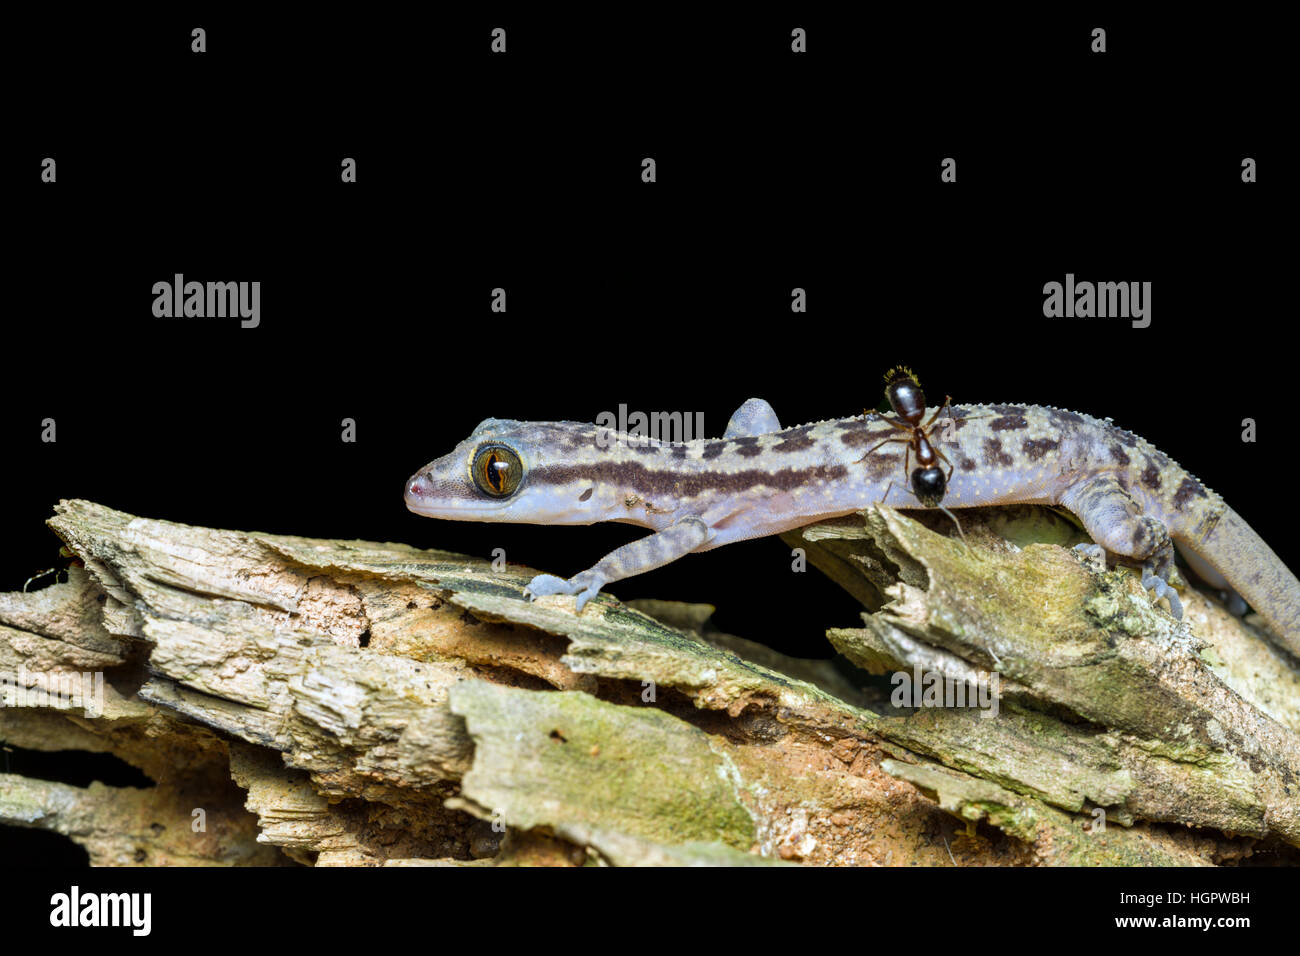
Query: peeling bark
point(355, 703)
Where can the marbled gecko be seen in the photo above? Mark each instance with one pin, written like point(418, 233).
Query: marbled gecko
point(760, 479)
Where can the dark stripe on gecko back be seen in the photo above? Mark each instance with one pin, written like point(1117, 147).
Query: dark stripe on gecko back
point(795, 439)
point(1009, 418)
point(994, 456)
point(1036, 448)
point(1189, 488)
point(654, 483)
point(860, 434)
point(713, 449)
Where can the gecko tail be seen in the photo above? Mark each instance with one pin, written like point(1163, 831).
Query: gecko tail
point(1254, 571)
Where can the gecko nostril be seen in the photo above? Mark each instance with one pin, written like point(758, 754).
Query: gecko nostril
point(419, 486)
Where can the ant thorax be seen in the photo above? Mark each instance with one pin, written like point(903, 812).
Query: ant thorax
point(924, 450)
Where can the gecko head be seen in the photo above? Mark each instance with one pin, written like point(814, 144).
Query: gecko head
point(488, 477)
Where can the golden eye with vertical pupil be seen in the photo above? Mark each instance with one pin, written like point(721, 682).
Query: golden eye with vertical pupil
point(496, 471)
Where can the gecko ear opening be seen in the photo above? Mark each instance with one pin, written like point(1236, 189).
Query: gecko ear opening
point(496, 470)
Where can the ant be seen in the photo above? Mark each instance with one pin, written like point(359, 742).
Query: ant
point(929, 483)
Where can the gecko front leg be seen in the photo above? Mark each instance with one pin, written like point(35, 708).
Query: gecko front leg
point(644, 554)
point(1115, 521)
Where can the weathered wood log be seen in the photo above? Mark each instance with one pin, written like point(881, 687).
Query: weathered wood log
point(377, 704)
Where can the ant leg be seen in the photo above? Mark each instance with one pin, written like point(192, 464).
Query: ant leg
point(885, 420)
point(947, 403)
point(956, 522)
point(947, 477)
point(892, 424)
point(877, 445)
point(901, 426)
point(941, 507)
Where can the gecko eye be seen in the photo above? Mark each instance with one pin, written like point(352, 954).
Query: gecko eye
point(496, 471)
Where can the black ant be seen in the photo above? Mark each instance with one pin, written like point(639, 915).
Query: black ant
point(929, 483)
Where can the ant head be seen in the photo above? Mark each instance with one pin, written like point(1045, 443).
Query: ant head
point(929, 485)
point(903, 390)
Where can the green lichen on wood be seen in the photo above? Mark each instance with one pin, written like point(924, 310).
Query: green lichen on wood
point(570, 762)
point(1111, 699)
point(1058, 839)
point(377, 691)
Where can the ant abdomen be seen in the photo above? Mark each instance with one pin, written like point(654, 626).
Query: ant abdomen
point(929, 485)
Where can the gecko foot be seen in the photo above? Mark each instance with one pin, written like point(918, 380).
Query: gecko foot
point(1095, 554)
point(1233, 603)
point(584, 585)
point(1155, 572)
point(1157, 585)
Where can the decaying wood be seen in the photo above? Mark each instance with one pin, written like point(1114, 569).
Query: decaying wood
point(356, 703)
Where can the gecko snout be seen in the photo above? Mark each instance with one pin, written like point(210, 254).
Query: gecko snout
point(419, 487)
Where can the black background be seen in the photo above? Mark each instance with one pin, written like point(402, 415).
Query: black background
point(523, 171)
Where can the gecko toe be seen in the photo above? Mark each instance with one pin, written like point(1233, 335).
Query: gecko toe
point(1094, 554)
point(584, 585)
point(546, 584)
point(1161, 588)
point(1234, 603)
point(1175, 605)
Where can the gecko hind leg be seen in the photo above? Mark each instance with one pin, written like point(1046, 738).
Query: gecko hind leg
point(1115, 521)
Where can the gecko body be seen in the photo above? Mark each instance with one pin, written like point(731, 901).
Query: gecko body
point(760, 479)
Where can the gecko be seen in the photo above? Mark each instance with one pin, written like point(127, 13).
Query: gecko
point(761, 479)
